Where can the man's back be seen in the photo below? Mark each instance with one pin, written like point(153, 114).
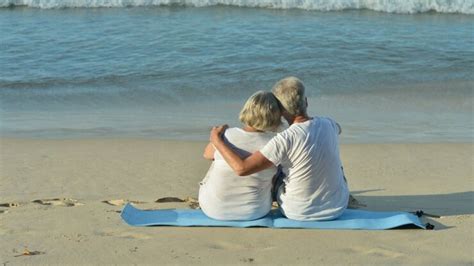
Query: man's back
point(314, 188)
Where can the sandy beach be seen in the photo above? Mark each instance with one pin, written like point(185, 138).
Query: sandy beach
point(80, 228)
point(104, 103)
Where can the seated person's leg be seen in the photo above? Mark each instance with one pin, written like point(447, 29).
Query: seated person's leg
point(277, 181)
point(353, 202)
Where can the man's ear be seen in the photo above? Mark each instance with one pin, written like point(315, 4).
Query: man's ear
point(306, 101)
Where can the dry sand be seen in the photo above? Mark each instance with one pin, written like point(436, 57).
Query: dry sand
point(69, 224)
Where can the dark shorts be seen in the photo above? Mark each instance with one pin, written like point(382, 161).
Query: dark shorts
point(277, 182)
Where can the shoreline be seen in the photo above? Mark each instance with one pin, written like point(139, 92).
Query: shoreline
point(201, 139)
point(435, 178)
point(87, 139)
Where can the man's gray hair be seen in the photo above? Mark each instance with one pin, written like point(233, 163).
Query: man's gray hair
point(290, 92)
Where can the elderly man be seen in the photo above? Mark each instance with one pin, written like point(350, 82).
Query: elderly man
point(308, 151)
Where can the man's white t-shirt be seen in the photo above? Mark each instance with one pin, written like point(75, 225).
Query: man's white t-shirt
point(224, 195)
point(314, 186)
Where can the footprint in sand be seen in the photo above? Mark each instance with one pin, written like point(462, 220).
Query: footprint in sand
point(169, 199)
point(27, 252)
point(377, 252)
point(381, 252)
point(67, 202)
point(11, 204)
point(192, 202)
point(129, 235)
point(228, 245)
point(121, 202)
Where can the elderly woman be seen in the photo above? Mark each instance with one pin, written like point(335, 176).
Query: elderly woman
point(225, 196)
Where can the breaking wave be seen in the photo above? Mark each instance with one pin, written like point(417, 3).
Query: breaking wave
point(390, 6)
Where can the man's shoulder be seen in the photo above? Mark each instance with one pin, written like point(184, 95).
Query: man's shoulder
point(291, 130)
point(326, 119)
point(294, 133)
point(301, 130)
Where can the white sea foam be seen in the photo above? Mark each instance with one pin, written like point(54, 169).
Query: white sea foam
point(391, 6)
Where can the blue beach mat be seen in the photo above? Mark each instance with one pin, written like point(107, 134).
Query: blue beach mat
point(350, 219)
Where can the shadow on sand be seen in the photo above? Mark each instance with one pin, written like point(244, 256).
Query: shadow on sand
point(460, 203)
point(452, 204)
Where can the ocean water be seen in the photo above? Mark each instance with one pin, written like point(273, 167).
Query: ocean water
point(387, 71)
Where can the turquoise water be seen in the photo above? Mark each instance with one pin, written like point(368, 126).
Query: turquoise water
point(174, 71)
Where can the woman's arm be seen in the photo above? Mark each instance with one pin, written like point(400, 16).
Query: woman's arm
point(209, 152)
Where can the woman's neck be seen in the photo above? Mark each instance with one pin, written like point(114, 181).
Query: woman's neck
point(251, 129)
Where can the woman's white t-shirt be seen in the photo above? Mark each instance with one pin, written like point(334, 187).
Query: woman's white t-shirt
point(223, 195)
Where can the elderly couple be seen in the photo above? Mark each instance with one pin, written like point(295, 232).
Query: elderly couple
point(245, 173)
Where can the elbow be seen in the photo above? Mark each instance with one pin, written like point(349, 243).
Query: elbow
point(241, 172)
point(243, 169)
point(207, 157)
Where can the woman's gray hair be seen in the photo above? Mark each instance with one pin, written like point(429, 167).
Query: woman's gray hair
point(290, 93)
point(261, 111)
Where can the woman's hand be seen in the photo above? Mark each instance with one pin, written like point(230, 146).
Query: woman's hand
point(216, 133)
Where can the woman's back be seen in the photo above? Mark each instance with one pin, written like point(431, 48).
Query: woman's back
point(225, 196)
